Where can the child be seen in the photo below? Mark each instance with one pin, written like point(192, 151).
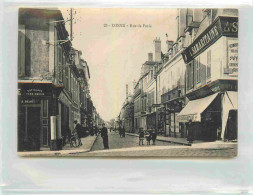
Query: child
point(148, 138)
point(141, 137)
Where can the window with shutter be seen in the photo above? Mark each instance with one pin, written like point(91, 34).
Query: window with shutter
point(192, 75)
point(64, 70)
point(60, 62)
point(189, 76)
point(208, 70)
point(197, 62)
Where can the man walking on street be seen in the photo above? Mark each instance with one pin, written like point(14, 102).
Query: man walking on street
point(123, 131)
point(104, 135)
point(141, 136)
point(78, 129)
point(153, 136)
point(120, 131)
point(96, 130)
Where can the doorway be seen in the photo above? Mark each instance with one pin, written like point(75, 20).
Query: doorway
point(231, 131)
point(33, 128)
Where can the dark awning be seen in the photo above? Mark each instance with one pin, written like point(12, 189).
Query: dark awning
point(194, 109)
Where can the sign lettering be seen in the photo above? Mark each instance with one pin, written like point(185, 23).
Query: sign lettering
point(233, 57)
point(222, 26)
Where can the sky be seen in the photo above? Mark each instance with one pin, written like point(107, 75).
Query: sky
point(115, 54)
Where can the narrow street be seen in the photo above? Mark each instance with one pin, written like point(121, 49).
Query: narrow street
point(129, 147)
point(116, 142)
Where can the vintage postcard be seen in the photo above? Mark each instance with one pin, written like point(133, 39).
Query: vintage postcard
point(127, 82)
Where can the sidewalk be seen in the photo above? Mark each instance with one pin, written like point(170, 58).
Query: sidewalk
point(86, 147)
point(195, 144)
point(181, 141)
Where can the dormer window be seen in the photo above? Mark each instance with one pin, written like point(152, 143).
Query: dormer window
point(175, 48)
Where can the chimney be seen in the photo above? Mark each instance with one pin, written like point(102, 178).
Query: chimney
point(150, 56)
point(126, 91)
point(157, 43)
point(170, 44)
point(134, 83)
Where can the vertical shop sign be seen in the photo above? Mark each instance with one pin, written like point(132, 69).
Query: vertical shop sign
point(233, 57)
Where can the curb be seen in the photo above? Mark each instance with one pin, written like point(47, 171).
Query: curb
point(93, 143)
point(170, 141)
point(55, 153)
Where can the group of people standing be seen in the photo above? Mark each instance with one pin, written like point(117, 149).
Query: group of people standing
point(149, 135)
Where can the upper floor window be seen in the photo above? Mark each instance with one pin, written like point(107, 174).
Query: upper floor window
point(21, 50)
point(60, 65)
point(175, 48)
point(190, 76)
point(197, 63)
point(208, 69)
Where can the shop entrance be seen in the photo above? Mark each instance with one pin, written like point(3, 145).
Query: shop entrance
point(231, 130)
point(33, 128)
point(65, 130)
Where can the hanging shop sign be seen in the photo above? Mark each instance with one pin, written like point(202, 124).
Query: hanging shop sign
point(222, 26)
point(233, 57)
point(34, 90)
point(30, 101)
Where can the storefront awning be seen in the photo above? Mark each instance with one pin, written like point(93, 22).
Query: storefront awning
point(194, 109)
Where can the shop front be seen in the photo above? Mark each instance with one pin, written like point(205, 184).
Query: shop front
point(204, 117)
point(36, 103)
point(172, 125)
point(64, 108)
point(151, 121)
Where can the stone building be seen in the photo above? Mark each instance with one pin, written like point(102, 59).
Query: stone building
point(50, 95)
point(211, 75)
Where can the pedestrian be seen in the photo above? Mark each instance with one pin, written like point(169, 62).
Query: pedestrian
point(78, 129)
point(123, 132)
point(141, 136)
point(219, 133)
point(153, 136)
point(104, 135)
point(148, 138)
point(96, 130)
point(92, 131)
point(120, 131)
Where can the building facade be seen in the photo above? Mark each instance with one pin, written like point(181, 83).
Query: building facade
point(50, 81)
point(211, 76)
point(195, 82)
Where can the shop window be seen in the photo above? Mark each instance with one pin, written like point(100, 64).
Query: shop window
point(208, 72)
